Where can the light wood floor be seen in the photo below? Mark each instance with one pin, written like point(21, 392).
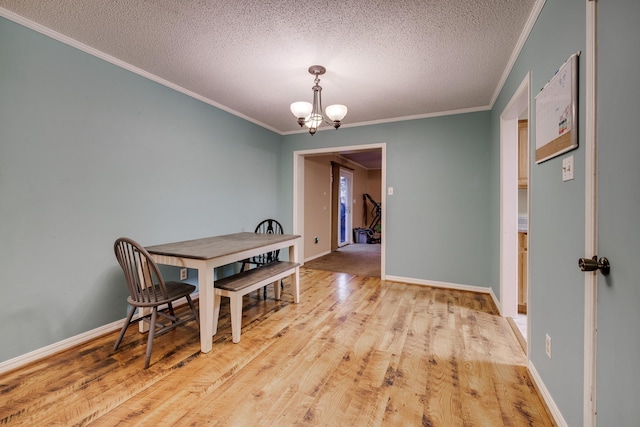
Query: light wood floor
point(355, 352)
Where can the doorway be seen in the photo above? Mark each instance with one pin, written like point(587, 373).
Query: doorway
point(299, 192)
point(513, 215)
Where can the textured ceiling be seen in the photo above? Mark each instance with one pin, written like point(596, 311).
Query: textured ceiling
point(385, 59)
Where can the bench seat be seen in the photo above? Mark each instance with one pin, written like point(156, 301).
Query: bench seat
point(236, 286)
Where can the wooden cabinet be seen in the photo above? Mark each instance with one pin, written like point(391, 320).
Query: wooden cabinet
point(522, 272)
point(523, 153)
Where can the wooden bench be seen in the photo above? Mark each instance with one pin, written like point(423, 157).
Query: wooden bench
point(236, 286)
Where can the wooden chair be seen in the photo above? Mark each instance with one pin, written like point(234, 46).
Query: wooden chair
point(147, 289)
point(268, 226)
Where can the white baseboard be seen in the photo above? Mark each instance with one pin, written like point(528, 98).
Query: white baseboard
point(43, 352)
point(447, 285)
point(553, 408)
point(495, 301)
point(317, 256)
point(68, 343)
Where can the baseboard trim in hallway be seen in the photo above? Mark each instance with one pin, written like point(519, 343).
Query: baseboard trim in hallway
point(446, 285)
point(554, 411)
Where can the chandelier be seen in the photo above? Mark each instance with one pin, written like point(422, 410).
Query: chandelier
point(311, 115)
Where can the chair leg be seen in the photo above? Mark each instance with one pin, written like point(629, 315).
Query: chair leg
point(172, 313)
point(152, 330)
point(132, 309)
point(193, 309)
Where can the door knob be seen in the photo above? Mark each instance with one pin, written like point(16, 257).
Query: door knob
point(593, 264)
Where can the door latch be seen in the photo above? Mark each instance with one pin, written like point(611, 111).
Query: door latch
point(593, 264)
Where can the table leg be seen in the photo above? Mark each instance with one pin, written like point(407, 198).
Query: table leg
point(295, 277)
point(205, 289)
point(142, 325)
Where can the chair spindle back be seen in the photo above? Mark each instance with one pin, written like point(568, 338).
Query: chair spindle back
point(143, 277)
point(269, 226)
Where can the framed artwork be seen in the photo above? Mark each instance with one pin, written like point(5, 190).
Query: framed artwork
point(557, 113)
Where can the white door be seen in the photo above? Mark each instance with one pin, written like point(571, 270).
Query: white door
point(617, 381)
point(345, 198)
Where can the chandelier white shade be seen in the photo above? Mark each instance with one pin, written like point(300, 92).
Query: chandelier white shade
point(310, 115)
point(301, 108)
point(336, 112)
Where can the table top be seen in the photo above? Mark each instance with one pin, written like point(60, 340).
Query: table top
point(217, 246)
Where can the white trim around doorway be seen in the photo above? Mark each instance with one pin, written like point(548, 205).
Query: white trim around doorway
point(519, 103)
point(590, 217)
point(298, 191)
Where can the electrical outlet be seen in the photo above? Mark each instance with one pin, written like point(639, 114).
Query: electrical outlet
point(183, 274)
point(316, 240)
point(547, 345)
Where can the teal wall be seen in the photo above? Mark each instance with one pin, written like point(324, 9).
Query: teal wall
point(90, 152)
point(556, 212)
point(618, 375)
point(437, 216)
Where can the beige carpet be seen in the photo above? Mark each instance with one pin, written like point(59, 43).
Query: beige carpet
point(357, 258)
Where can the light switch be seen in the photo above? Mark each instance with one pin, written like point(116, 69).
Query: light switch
point(567, 168)
point(390, 191)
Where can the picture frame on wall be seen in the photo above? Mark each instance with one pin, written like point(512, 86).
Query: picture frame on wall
point(557, 113)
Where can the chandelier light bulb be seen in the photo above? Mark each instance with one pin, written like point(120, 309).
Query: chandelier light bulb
point(313, 120)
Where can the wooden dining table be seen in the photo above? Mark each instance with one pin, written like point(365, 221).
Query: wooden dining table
point(208, 253)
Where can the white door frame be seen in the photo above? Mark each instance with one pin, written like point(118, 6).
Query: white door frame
point(519, 103)
point(349, 208)
point(298, 192)
point(590, 217)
